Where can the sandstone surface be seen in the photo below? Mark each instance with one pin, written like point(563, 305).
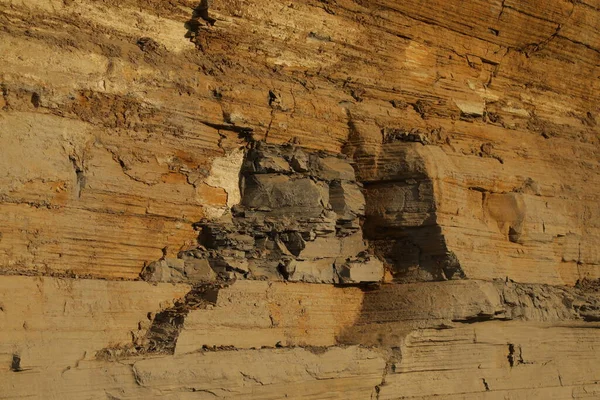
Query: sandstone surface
point(317, 199)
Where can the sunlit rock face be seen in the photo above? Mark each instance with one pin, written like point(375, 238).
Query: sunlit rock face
point(307, 199)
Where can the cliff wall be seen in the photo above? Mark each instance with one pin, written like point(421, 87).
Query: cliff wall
point(311, 199)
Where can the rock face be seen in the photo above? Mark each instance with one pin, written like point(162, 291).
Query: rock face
point(314, 199)
point(298, 219)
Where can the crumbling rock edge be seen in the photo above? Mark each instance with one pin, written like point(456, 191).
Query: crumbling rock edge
point(433, 305)
point(299, 218)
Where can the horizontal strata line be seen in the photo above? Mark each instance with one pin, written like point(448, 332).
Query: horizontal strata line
point(12, 271)
point(372, 288)
point(51, 206)
point(533, 15)
point(428, 22)
point(25, 273)
point(587, 46)
point(583, 3)
point(482, 391)
point(226, 349)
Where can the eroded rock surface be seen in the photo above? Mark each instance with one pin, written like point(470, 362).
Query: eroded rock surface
point(258, 339)
point(299, 219)
point(328, 199)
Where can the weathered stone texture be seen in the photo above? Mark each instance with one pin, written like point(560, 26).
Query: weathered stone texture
point(260, 340)
point(285, 226)
point(120, 129)
point(316, 199)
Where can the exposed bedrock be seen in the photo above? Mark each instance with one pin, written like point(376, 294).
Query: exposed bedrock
point(302, 215)
point(307, 199)
point(434, 216)
point(270, 340)
point(127, 128)
point(299, 219)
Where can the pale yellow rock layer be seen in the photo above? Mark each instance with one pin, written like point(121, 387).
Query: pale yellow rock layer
point(57, 326)
point(53, 323)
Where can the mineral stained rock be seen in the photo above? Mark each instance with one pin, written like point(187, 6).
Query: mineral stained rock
point(333, 199)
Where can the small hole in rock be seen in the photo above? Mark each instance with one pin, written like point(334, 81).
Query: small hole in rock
point(35, 100)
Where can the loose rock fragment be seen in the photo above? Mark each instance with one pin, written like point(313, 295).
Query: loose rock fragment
point(360, 270)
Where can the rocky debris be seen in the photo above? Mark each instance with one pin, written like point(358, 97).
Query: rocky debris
point(545, 302)
point(147, 44)
point(15, 364)
point(487, 150)
point(591, 285)
point(201, 11)
point(314, 271)
point(161, 334)
point(368, 269)
point(401, 135)
point(347, 201)
point(298, 219)
point(167, 324)
point(179, 270)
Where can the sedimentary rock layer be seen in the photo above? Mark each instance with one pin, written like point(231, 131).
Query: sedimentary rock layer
point(316, 199)
point(116, 127)
point(260, 340)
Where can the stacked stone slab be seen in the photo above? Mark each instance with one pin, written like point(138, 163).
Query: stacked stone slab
point(299, 219)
